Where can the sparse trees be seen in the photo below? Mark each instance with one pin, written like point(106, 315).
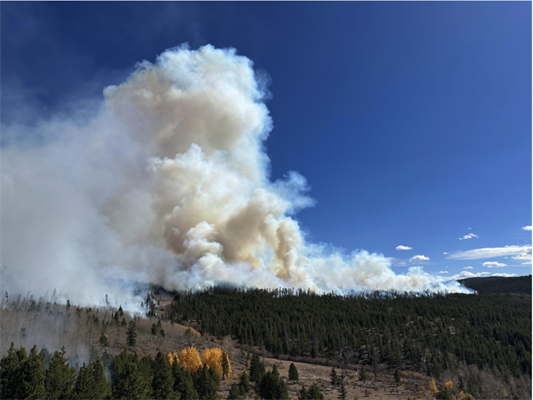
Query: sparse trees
point(313, 393)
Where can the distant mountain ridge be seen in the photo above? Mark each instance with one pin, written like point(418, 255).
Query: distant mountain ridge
point(498, 284)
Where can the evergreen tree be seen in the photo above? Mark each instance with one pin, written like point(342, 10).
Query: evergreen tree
point(131, 333)
point(293, 372)
point(60, 377)
point(313, 393)
point(334, 377)
point(397, 378)
point(204, 383)
point(102, 389)
point(84, 388)
point(342, 389)
point(272, 387)
point(103, 339)
point(244, 382)
point(162, 381)
point(33, 376)
point(235, 392)
point(11, 373)
point(183, 382)
point(257, 369)
point(363, 375)
point(129, 382)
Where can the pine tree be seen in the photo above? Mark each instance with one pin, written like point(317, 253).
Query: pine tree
point(342, 389)
point(397, 378)
point(244, 383)
point(11, 373)
point(129, 382)
point(334, 377)
point(84, 388)
point(272, 386)
point(314, 393)
point(183, 382)
point(363, 376)
point(131, 334)
point(60, 377)
point(103, 339)
point(204, 383)
point(102, 387)
point(257, 369)
point(235, 392)
point(162, 381)
point(293, 372)
point(33, 376)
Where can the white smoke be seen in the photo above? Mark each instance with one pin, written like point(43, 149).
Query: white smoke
point(167, 182)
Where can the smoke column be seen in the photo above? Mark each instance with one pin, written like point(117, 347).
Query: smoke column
point(167, 182)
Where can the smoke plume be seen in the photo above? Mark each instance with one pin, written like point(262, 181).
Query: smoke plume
point(167, 182)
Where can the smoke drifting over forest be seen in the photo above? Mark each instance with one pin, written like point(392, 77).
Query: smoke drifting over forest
point(168, 182)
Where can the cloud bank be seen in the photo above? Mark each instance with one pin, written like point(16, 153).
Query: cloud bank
point(520, 252)
point(167, 181)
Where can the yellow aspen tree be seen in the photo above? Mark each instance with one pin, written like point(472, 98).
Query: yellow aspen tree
point(190, 359)
point(449, 385)
point(433, 387)
point(173, 357)
point(213, 359)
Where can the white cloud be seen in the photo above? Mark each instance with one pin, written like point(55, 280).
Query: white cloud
point(523, 256)
point(469, 236)
point(468, 274)
point(494, 264)
point(401, 247)
point(527, 228)
point(419, 258)
point(443, 272)
point(468, 268)
point(504, 275)
point(490, 252)
point(445, 252)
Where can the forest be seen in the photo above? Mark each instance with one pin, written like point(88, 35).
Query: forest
point(454, 346)
point(497, 284)
point(428, 332)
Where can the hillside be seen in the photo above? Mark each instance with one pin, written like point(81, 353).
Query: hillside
point(496, 284)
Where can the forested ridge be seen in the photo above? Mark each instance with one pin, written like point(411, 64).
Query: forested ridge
point(496, 284)
point(428, 332)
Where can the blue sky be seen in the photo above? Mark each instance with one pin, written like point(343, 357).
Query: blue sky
point(410, 121)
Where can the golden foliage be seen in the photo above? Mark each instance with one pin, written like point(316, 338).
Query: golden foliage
point(449, 385)
point(213, 359)
point(190, 359)
point(433, 387)
point(173, 356)
point(465, 396)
